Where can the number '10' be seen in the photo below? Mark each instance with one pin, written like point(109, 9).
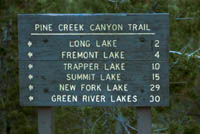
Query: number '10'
point(155, 66)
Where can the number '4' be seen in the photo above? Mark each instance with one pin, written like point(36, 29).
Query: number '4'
point(157, 54)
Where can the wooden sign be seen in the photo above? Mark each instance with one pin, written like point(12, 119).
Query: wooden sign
point(93, 59)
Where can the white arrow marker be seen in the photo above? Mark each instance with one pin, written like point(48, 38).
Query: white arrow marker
point(30, 98)
point(30, 66)
point(30, 54)
point(30, 87)
point(29, 43)
point(30, 76)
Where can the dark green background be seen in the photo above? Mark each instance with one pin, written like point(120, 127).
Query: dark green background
point(48, 68)
point(181, 117)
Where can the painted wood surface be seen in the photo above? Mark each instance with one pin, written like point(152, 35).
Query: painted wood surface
point(42, 72)
point(144, 120)
point(46, 120)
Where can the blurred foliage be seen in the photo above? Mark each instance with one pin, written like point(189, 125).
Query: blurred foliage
point(181, 117)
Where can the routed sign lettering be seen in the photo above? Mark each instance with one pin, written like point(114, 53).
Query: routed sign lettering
point(93, 59)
